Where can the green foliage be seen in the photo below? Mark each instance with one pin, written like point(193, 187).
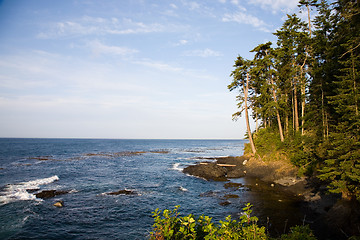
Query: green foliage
point(267, 141)
point(169, 225)
point(306, 90)
point(299, 232)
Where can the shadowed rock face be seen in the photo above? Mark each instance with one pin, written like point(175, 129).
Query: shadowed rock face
point(50, 193)
point(223, 168)
point(210, 171)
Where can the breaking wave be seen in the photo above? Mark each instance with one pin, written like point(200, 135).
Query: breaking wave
point(176, 166)
point(22, 191)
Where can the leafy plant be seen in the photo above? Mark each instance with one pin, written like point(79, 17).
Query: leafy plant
point(169, 225)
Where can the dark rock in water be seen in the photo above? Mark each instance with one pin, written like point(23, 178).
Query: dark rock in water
point(233, 185)
point(50, 193)
point(59, 204)
point(208, 194)
point(122, 192)
point(227, 196)
point(225, 203)
point(32, 190)
point(43, 158)
point(223, 168)
point(209, 171)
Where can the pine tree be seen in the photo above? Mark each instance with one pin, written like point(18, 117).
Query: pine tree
point(266, 73)
point(342, 167)
point(292, 42)
point(241, 79)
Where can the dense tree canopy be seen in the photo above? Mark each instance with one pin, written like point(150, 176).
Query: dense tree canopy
point(306, 89)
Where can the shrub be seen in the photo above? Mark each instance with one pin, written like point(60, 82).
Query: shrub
point(168, 225)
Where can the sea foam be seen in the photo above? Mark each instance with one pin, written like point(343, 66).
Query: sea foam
point(176, 166)
point(18, 191)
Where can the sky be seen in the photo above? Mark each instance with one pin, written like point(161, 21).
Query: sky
point(154, 69)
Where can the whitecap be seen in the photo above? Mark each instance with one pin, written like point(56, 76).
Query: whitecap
point(176, 166)
point(19, 191)
point(183, 189)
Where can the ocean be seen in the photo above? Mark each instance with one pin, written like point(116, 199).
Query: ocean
point(89, 169)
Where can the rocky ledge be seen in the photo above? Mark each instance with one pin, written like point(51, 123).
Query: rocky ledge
point(219, 169)
point(50, 193)
point(280, 173)
point(122, 192)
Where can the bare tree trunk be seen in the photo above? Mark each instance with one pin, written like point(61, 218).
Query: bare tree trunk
point(293, 109)
point(296, 111)
point(246, 89)
point(256, 123)
point(302, 110)
point(286, 117)
point(277, 111)
point(323, 112)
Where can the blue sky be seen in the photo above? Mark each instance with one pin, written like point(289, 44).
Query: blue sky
point(127, 68)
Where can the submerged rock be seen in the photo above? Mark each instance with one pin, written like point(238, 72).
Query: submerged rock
point(233, 185)
point(59, 204)
point(227, 196)
point(42, 158)
point(225, 203)
point(50, 193)
point(122, 192)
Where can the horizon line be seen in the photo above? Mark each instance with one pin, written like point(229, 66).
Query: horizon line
point(100, 138)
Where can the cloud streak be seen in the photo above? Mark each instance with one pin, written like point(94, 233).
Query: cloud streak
point(244, 18)
point(202, 53)
point(99, 48)
point(276, 5)
point(101, 26)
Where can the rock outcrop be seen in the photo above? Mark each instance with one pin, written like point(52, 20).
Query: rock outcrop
point(220, 170)
point(122, 192)
point(50, 193)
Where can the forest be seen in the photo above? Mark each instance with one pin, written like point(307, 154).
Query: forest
point(303, 94)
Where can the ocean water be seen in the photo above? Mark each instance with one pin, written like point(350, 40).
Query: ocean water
point(90, 168)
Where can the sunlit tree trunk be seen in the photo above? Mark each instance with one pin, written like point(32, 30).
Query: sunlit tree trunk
point(246, 90)
point(277, 111)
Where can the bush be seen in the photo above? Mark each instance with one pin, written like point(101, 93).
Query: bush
point(169, 225)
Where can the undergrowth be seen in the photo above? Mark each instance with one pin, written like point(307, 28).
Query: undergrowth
point(170, 225)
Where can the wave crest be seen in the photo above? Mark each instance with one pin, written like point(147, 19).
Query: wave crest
point(20, 191)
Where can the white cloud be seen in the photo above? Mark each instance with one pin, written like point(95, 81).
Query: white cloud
point(202, 53)
point(100, 26)
point(192, 5)
point(235, 2)
point(157, 65)
point(181, 42)
point(99, 48)
point(244, 18)
point(276, 5)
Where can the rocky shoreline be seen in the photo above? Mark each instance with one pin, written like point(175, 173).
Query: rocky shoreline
point(277, 173)
point(340, 218)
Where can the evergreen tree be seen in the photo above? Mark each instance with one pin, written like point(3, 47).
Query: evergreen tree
point(342, 166)
point(292, 42)
point(241, 79)
point(265, 72)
